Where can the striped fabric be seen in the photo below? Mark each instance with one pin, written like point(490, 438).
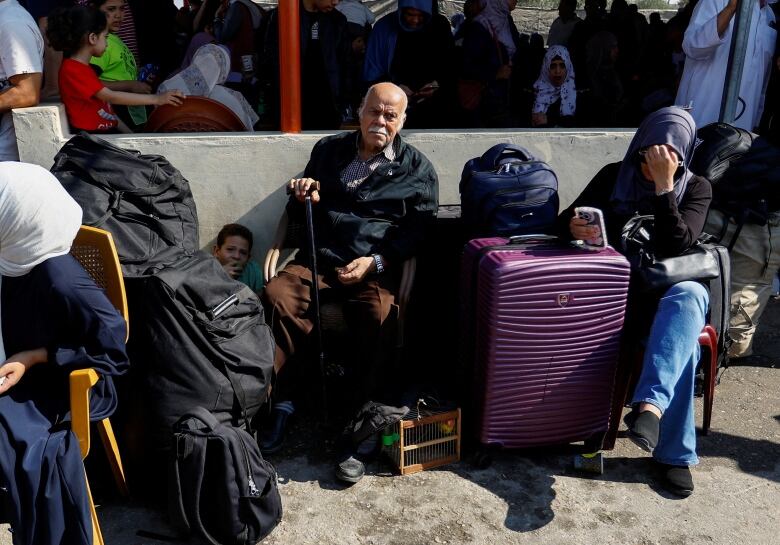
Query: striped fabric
point(127, 33)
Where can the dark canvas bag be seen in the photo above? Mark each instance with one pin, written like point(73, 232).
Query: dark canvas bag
point(142, 200)
point(221, 489)
point(508, 192)
point(200, 340)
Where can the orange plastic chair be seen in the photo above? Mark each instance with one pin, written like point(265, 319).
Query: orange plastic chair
point(94, 249)
point(629, 372)
point(196, 114)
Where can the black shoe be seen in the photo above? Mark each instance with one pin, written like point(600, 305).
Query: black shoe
point(350, 470)
point(272, 439)
point(676, 479)
point(643, 430)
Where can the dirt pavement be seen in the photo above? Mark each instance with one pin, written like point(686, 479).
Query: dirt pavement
point(540, 499)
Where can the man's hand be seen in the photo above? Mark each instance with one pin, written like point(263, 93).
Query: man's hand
point(12, 371)
point(580, 230)
point(538, 119)
point(300, 186)
point(662, 165)
point(725, 16)
point(428, 89)
point(356, 271)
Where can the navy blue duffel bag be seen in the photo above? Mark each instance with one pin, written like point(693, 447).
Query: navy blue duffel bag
point(508, 192)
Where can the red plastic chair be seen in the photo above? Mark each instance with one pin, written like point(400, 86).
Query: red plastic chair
point(628, 374)
point(196, 114)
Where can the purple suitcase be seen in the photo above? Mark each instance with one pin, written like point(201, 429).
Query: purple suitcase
point(544, 322)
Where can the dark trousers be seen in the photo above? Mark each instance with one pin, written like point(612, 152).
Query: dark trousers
point(370, 314)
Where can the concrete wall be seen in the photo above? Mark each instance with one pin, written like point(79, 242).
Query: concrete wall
point(239, 177)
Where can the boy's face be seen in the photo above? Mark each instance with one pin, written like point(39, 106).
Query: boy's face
point(234, 252)
point(113, 12)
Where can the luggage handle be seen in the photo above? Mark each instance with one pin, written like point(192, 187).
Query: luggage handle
point(493, 155)
point(535, 237)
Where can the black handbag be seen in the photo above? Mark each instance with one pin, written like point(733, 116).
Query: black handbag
point(650, 273)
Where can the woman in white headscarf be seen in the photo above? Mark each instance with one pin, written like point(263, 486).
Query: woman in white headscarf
point(53, 320)
point(204, 77)
point(555, 86)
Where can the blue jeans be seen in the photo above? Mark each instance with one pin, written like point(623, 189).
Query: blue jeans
point(669, 369)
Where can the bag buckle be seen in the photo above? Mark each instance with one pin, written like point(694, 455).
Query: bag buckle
point(116, 200)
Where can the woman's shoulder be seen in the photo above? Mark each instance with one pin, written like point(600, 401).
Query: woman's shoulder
point(699, 186)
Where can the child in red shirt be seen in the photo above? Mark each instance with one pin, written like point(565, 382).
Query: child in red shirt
point(80, 33)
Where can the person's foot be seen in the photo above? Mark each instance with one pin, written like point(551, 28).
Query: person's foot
point(643, 430)
point(676, 479)
point(272, 438)
point(349, 469)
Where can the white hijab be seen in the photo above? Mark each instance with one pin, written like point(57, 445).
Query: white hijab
point(203, 77)
point(495, 18)
point(38, 220)
point(546, 94)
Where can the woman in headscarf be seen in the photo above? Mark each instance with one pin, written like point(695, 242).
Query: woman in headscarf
point(204, 77)
point(53, 320)
point(654, 178)
point(555, 94)
point(490, 41)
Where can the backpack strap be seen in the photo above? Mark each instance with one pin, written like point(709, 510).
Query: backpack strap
point(188, 500)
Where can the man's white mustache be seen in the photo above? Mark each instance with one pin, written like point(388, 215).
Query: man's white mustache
point(378, 130)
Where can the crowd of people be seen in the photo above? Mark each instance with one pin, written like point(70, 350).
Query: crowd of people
point(609, 69)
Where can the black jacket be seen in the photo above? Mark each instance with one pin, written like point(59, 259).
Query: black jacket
point(389, 214)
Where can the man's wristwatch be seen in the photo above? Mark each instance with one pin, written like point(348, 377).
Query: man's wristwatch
point(380, 266)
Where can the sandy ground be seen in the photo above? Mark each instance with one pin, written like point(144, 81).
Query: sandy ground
point(537, 498)
point(541, 498)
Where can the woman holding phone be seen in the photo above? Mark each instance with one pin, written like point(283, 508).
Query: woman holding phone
point(654, 178)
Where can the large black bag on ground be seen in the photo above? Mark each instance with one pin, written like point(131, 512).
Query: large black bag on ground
point(199, 340)
point(221, 489)
point(142, 200)
point(508, 192)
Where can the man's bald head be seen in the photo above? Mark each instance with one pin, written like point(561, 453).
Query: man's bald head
point(388, 93)
point(382, 115)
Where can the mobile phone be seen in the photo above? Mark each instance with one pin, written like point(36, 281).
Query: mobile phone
point(594, 217)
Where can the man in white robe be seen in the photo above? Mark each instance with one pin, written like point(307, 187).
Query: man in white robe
point(706, 45)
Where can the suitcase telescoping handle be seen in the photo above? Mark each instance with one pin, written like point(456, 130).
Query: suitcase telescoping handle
point(533, 239)
point(498, 152)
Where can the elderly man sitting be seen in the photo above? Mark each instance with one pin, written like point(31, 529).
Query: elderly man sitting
point(377, 197)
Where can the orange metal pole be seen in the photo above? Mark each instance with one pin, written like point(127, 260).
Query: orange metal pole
point(290, 64)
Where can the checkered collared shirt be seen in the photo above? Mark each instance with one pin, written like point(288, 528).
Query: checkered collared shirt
point(357, 171)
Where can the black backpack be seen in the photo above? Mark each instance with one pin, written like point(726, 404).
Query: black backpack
point(719, 146)
point(199, 340)
point(508, 192)
point(221, 489)
point(142, 200)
